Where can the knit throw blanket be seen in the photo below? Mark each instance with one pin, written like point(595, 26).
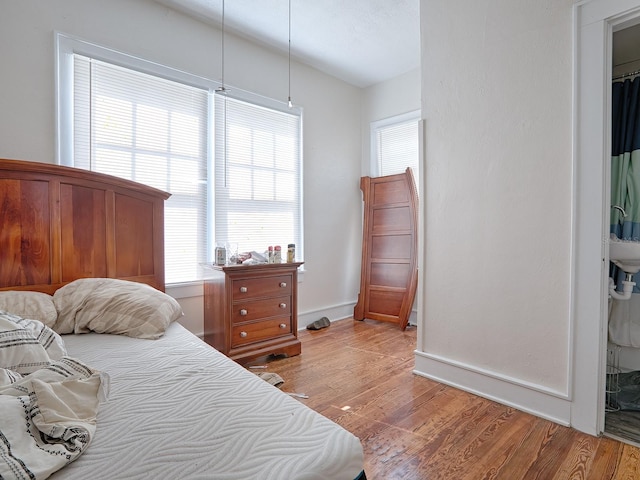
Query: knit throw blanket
point(48, 401)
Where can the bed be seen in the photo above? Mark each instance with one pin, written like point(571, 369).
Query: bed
point(151, 399)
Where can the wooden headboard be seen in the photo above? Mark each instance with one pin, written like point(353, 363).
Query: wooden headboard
point(58, 224)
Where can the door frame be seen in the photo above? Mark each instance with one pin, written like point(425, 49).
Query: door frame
point(594, 24)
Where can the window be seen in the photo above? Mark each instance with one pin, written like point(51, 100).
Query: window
point(395, 145)
point(257, 186)
point(153, 131)
point(232, 165)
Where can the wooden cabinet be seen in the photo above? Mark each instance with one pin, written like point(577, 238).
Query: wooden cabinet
point(389, 249)
point(251, 310)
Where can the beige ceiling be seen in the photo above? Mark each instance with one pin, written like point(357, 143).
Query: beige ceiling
point(362, 42)
point(626, 49)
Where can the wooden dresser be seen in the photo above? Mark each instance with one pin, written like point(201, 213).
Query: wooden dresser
point(251, 310)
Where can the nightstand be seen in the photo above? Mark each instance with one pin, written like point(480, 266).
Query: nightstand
point(251, 310)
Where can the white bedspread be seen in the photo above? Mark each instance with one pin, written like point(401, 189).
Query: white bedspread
point(47, 419)
point(178, 409)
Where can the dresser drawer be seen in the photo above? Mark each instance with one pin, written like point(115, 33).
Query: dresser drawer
point(248, 310)
point(261, 286)
point(257, 331)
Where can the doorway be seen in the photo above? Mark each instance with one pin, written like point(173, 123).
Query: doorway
point(622, 405)
point(595, 23)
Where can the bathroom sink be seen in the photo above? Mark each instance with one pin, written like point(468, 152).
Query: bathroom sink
point(625, 254)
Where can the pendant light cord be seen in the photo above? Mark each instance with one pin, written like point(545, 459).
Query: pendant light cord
point(221, 88)
point(290, 104)
point(223, 91)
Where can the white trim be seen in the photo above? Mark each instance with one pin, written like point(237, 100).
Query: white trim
point(396, 119)
point(572, 257)
point(185, 290)
point(595, 21)
point(528, 397)
point(63, 101)
point(422, 181)
point(494, 375)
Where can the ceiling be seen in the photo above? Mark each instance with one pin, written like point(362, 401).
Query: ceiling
point(362, 42)
point(625, 48)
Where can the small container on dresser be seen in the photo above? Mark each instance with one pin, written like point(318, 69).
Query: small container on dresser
point(251, 310)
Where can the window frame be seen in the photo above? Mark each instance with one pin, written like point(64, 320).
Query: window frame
point(66, 46)
point(267, 103)
point(376, 125)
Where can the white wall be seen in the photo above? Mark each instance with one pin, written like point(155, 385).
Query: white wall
point(144, 28)
point(497, 100)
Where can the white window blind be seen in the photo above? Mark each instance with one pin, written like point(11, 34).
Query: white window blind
point(153, 131)
point(258, 200)
point(396, 146)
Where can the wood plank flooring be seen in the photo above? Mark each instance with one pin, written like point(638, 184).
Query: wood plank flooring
point(359, 374)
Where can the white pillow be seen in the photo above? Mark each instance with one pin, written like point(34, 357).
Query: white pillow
point(33, 305)
point(108, 305)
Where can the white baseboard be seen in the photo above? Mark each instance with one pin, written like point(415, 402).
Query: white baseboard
point(413, 318)
point(534, 399)
point(333, 313)
point(337, 312)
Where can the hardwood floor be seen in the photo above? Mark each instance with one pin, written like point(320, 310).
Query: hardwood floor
point(359, 374)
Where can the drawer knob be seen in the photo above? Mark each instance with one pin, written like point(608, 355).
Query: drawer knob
point(283, 284)
point(283, 325)
point(243, 312)
point(243, 289)
point(243, 334)
point(283, 305)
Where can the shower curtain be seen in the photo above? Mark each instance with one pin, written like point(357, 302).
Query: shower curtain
point(625, 164)
point(624, 315)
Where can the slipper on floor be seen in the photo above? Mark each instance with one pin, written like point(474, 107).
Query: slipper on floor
point(318, 324)
point(272, 378)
